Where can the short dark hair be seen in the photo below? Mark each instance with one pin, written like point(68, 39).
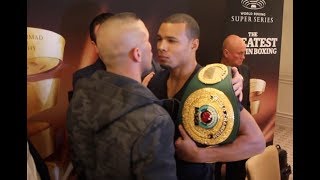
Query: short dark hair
point(193, 29)
point(126, 15)
point(99, 19)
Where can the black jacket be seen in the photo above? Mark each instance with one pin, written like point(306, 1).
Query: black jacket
point(117, 130)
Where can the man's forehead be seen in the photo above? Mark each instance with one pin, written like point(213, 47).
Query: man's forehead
point(172, 29)
point(173, 25)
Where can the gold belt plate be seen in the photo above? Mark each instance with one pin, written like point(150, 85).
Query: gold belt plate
point(208, 116)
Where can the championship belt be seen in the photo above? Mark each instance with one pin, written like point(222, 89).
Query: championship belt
point(209, 109)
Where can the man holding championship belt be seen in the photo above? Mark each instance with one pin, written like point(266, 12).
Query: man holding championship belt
point(178, 41)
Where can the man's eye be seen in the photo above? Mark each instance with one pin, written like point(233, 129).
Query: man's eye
point(171, 40)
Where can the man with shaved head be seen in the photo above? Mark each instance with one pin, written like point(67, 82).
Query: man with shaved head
point(99, 65)
point(117, 128)
point(233, 50)
point(233, 54)
point(124, 44)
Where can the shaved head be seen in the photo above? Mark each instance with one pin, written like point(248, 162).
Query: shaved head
point(124, 47)
point(233, 42)
point(120, 34)
point(233, 50)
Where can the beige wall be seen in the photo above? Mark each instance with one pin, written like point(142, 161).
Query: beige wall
point(285, 91)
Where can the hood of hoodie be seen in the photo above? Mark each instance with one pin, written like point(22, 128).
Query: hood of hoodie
point(105, 97)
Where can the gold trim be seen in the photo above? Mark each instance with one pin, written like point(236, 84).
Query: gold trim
point(224, 113)
point(213, 73)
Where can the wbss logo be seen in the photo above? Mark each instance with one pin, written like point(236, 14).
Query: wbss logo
point(253, 4)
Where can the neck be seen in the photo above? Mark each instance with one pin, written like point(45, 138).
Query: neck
point(127, 72)
point(184, 71)
point(224, 61)
point(228, 63)
point(178, 77)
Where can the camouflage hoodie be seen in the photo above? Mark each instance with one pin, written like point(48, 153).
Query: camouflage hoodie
point(117, 130)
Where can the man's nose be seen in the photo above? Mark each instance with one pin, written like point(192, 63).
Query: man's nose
point(161, 46)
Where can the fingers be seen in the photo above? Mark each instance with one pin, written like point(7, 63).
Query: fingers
point(178, 141)
point(236, 76)
point(146, 79)
point(237, 83)
point(238, 93)
point(234, 71)
point(183, 133)
point(237, 79)
point(240, 96)
point(237, 87)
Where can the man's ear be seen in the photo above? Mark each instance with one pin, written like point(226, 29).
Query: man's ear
point(195, 44)
point(95, 47)
point(225, 52)
point(136, 53)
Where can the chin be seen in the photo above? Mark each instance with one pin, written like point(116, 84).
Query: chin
point(163, 66)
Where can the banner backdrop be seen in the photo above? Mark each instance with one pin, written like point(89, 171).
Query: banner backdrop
point(261, 26)
point(259, 23)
